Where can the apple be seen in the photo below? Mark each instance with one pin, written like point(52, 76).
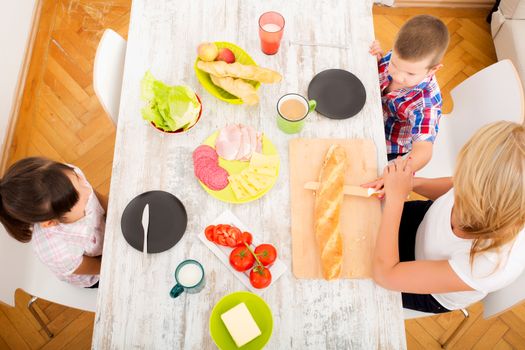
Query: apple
point(226, 55)
point(207, 51)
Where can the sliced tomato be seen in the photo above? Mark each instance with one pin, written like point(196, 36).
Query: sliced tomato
point(221, 240)
point(209, 232)
point(231, 242)
point(234, 232)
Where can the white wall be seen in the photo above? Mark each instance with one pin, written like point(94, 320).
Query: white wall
point(15, 29)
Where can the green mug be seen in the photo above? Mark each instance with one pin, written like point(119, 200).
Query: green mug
point(189, 275)
point(292, 110)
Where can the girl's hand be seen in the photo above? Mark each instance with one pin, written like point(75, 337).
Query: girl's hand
point(398, 179)
point(377, 185)
point(375, 50)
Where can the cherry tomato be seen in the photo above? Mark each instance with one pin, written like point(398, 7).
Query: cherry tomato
point(260, 277)
point(241, 259)
point(245, 237)
point(266, 254)
point(209, 232)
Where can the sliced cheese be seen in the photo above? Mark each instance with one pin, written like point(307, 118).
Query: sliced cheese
point(265, 171)
point(264, 160)
point(240, 324)
point(257, 181)
point(257, 177)
point(260, 177)
point(246, 185)
point(239, 192)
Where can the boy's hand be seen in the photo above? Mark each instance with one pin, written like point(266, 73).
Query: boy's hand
point(377, 185)
point(375, 50)
point(398, 179)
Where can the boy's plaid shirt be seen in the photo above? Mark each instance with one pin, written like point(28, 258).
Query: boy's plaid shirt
point(410, 115)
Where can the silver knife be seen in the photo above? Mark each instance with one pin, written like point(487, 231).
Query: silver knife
point(145, 225)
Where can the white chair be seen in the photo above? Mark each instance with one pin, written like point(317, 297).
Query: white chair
point(22, 269)
point(492, 94)
point(108, 70)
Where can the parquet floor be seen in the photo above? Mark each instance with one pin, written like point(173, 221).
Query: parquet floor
point(62, 119)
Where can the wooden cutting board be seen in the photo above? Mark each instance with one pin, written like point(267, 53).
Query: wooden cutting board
point(360, 217)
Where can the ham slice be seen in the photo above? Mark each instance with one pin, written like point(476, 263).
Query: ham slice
point(228, 142)
point(238, 142)
point(253, 141)
point(258, 148)
point(245, 152)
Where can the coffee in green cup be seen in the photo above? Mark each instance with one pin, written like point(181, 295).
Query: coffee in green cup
point(292, 110)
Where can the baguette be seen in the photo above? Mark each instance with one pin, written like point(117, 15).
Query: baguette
point(222, 69)
point(238, 87)
point(328, 201)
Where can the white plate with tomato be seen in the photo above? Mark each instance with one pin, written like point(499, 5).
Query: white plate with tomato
point(255, 264)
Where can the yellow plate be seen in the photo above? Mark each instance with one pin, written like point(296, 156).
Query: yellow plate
point(235, 167)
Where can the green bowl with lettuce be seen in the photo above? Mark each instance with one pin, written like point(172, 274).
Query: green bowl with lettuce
point(171, 109)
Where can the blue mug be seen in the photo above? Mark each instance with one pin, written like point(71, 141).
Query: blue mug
point(190, 278)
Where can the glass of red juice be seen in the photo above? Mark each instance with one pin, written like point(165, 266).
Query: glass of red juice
point(271, 28)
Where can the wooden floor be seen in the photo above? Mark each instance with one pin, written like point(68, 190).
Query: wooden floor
point(62, 119)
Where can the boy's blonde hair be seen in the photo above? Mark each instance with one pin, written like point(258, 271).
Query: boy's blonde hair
point(489, 186)
point(422, 37)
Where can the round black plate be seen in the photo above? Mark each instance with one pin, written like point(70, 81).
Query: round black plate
point(339, 94)
point(167, 221)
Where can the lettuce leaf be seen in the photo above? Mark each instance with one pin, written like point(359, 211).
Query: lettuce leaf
point(170, 108)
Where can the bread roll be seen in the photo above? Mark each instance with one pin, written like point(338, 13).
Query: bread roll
point(328, 201)
point(238, 87)
point(237, 70)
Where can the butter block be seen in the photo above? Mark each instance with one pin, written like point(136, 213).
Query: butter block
point(240, 324)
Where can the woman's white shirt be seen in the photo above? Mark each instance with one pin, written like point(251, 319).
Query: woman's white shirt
point(491, 270)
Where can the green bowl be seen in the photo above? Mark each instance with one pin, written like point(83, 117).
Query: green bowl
point(260, 311)
point(204, 78)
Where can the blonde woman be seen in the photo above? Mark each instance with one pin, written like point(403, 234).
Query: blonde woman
point(468, 239)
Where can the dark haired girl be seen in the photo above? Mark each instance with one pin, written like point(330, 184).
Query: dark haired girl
point(53, 205)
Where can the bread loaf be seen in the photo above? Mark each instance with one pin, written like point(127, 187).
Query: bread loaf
point(237, 70)
point(328, 201)
point(238, 87)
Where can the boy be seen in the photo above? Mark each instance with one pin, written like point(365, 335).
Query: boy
point(410, 94)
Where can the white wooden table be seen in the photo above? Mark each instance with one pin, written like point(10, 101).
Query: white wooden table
point(134, 306)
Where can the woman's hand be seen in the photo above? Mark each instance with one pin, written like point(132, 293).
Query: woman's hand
point(398, 179)
point(375, 50)
point(377, 185)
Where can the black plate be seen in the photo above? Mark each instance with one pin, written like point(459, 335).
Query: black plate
point(167, 221)
point(339, 94)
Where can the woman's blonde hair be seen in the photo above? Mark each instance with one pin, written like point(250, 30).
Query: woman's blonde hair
point(489, 186)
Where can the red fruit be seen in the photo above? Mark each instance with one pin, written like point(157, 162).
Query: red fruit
point(266, 254)
point(209, 232)
point(241, 259)
point(245, 237)
point(225, 55)
point(260, 277)
point(235, 233)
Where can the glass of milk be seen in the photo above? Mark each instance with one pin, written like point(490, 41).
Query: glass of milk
point(189, 275)
point(271, 27)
